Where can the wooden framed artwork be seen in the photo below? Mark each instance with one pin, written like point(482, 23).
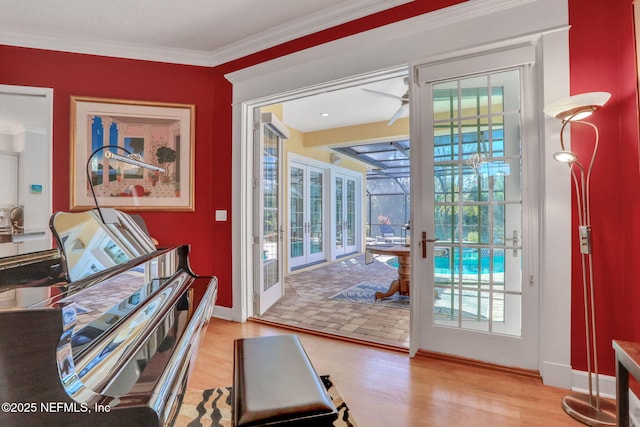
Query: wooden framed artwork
point(159, 134)
point(636, 41)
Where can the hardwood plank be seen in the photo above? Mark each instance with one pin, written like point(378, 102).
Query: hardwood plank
point(387, 388)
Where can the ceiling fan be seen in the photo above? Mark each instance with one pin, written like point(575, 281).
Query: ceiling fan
point(404, 101)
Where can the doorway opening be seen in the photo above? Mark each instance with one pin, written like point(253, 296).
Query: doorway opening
point(343, 183)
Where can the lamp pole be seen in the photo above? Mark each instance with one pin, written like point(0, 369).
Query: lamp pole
point(588, 409)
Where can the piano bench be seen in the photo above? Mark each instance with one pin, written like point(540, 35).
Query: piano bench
point(275, 384)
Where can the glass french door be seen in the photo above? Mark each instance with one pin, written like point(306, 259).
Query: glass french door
point(268, 285)
point(346, 205)
point(306, 212)
point(474, 250)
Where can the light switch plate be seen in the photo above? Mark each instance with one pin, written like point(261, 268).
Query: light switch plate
point(221, 215)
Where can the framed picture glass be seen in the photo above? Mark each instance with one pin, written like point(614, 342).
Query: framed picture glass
point(158, 134)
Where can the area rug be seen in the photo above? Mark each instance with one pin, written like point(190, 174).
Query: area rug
point(212, 407)
point(365, 293)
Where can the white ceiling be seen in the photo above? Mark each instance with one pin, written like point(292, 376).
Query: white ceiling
point(197, 32)
point(346, 107)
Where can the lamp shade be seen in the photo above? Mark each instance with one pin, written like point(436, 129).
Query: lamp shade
point(577, 107)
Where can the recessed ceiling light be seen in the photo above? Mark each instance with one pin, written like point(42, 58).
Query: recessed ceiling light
point(324, 114)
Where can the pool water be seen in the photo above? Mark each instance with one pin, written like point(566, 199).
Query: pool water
point(471, 262)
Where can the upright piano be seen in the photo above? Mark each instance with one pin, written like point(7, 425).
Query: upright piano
point(102, 331)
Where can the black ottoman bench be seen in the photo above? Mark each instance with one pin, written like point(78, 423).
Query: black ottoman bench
point(275, 384)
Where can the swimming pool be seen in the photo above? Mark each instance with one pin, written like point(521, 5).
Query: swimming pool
point(474, 261)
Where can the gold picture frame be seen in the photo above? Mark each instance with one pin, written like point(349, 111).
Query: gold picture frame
point(636, 41)
point(160, 134)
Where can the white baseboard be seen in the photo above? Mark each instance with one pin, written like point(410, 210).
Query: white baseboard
point(224, 313)
point(556, 375)
point(580, 383)
point(634, 409)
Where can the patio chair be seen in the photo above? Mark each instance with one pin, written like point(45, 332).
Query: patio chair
point(387, 235)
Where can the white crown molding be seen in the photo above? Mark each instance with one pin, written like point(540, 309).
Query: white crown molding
point(345, 12)
point(130, 51)
point(440, 18)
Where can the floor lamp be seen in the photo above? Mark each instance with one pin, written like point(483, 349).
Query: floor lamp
point(586, 408)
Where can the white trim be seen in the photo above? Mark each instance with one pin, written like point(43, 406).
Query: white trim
point(555, 223)
point(634, 409)
point(580, 384)
point(480, 62)
point(309, 161)
point(333, 16)
point(487, 24)
point(47, 133)
point(343, 13)
point(112, 49)
point(360, 44)
point(274, 123)
point(555, 374)
point(242, 229)
point(224, 313)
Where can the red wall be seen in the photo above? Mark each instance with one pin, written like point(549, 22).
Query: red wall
point(86, 75)
point(602, 58)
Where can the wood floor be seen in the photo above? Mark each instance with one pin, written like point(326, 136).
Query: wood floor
point(387, 388)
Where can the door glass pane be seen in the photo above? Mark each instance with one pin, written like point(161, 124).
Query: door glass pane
point(296, 211)
point(270, 191)
point(315, 212)
point(478, 203)
point(351, 212)
point(339, 214)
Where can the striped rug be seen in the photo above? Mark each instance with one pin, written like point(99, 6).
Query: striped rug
point(212, 407)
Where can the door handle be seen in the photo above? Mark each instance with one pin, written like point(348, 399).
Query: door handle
point(424, 242)
point(515, 241)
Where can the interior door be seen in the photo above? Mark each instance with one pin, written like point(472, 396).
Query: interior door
point(475, 303)
point(269, 284)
